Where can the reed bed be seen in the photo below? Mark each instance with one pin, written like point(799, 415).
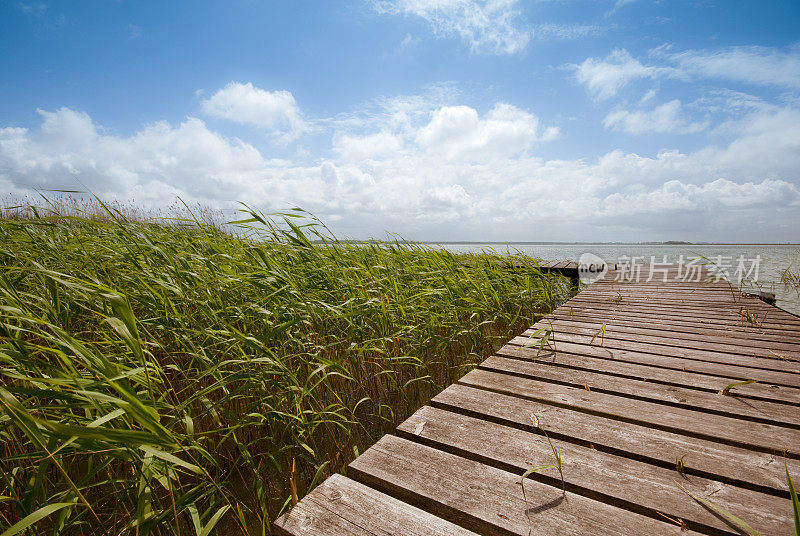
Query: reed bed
point(177, 378)
point(790, 276)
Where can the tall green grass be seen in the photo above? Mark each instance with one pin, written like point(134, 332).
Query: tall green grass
point(173, 378)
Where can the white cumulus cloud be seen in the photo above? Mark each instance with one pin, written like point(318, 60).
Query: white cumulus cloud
point(353, 147)
point(69, 152)
point(275, 111)
point(458, 132)
point(436, 172)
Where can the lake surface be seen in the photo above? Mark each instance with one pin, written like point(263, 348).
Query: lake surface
point(763, 263)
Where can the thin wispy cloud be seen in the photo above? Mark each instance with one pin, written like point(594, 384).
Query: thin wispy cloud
point(135, 32)
point(43, 16)
point(667, 118)
point(488, 26)
point(34, 9)
point(566, 32)
point(617, 5)
point(761, 66)
point(605, 77)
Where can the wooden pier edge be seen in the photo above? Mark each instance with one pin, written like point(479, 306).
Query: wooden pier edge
point(638, 407)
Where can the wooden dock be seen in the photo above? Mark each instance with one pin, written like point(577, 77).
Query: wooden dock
point(630, 388)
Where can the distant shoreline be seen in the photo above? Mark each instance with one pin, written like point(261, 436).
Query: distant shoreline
point(495, 243)
point(617, 243)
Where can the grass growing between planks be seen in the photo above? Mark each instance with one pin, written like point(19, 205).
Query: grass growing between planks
point(172, 378)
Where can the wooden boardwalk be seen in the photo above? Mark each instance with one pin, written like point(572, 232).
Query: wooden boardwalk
point(629, 386)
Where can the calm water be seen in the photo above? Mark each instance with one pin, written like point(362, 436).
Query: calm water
point(773, 259)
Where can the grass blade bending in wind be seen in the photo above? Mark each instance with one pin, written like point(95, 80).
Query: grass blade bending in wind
point(795, 501)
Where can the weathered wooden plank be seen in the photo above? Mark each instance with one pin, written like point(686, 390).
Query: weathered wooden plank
point(681, 397)
point(785, 345)
point(682, 300)
point(775, 364)
point(699, 342)
point(664, 319)
point(735, 334)
point(557, 266)
point(656, 491)
point(651, 370)
point(772, 316)
point(750, 435)
point(489, 500)
point(741, 334)
point(764, 317)
point(343, 506)
point(745, 319)
point(670, 286)
point(758, 358)
point(733, 316)
point(686, 286)
point(664, 294)
point(692, 284)
point(724, 367)
point(699, 308)
point(675, 289)
point(707, 458)
point(674, 292)
point(676, 283)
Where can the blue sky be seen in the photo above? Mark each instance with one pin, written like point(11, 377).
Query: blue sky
point(435, 119)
